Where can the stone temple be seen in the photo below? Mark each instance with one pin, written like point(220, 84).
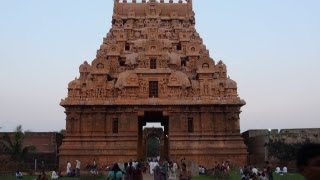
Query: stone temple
point(152, 67)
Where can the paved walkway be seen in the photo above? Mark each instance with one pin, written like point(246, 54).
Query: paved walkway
point(147, 176)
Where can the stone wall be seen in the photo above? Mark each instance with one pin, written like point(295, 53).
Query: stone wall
point(257, 141)
point(46, 143)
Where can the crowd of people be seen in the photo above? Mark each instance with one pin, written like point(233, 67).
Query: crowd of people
point(307, 163)
point(160, 170)
point(134, 170)
point(219, 170)
point(253, 173)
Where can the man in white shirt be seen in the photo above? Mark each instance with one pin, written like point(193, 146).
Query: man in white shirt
point(254, 170)
point(134, 164)
point(54, 175)
point(285, 169)
point(68, 168)
point(151, 166)
point(156, 163)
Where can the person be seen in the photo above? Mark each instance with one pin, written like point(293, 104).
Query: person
point(115, 173)
point(269, 170)
point(173, 170)
point(263, 176)
point(241, 171)
point(138, 172)
point(164, 170)
point(68, 168)
point(78, 164)
point(54, 175)
point(94, 168)
point(184, 174)
point(124, 172)
point(134, 164)
point(151, 167)
point(254, 170)
point(157, 173)
point(130, 172)
point(42, 176)
point(144, 167)
point(42, 166)
point(285, 170)
point(308, 161)
point(183, 160)
point(18, 174)
point(38, 177)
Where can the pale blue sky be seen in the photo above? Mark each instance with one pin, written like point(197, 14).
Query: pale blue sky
point(271, 48)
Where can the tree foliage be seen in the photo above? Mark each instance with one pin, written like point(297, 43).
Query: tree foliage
point(14, 145)
point(284, 151)
point(153, 147)
point(62, 131)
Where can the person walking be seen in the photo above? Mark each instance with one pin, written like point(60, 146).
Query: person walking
point(269, 170)
point(138, 172)
point(78, 164)
point(68, 168)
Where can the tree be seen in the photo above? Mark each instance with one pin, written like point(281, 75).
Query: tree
point(14, 145)
point(284, 151)
point(153, 147)
point(62, 131)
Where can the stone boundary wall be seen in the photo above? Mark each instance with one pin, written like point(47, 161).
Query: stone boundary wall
point(46, 143)
point(257, 139)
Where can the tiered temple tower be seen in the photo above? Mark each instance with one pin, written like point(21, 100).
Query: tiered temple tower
point(153, 67)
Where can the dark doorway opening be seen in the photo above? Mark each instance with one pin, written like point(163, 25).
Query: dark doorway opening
point(153, 146)
point(145, 133)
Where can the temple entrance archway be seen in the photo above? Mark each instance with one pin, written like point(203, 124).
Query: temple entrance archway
point(159, 133)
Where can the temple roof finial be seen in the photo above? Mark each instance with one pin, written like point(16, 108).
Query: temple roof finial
point(189, 2)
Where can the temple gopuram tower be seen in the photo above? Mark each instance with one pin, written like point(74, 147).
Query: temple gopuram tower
point(152, 67)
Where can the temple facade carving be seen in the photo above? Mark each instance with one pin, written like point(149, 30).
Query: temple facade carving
point(152, 66)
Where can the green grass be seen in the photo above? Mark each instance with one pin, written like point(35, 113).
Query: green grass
point(289, 176)
point(14, 178)
point(62, 178)
point(234, 175)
